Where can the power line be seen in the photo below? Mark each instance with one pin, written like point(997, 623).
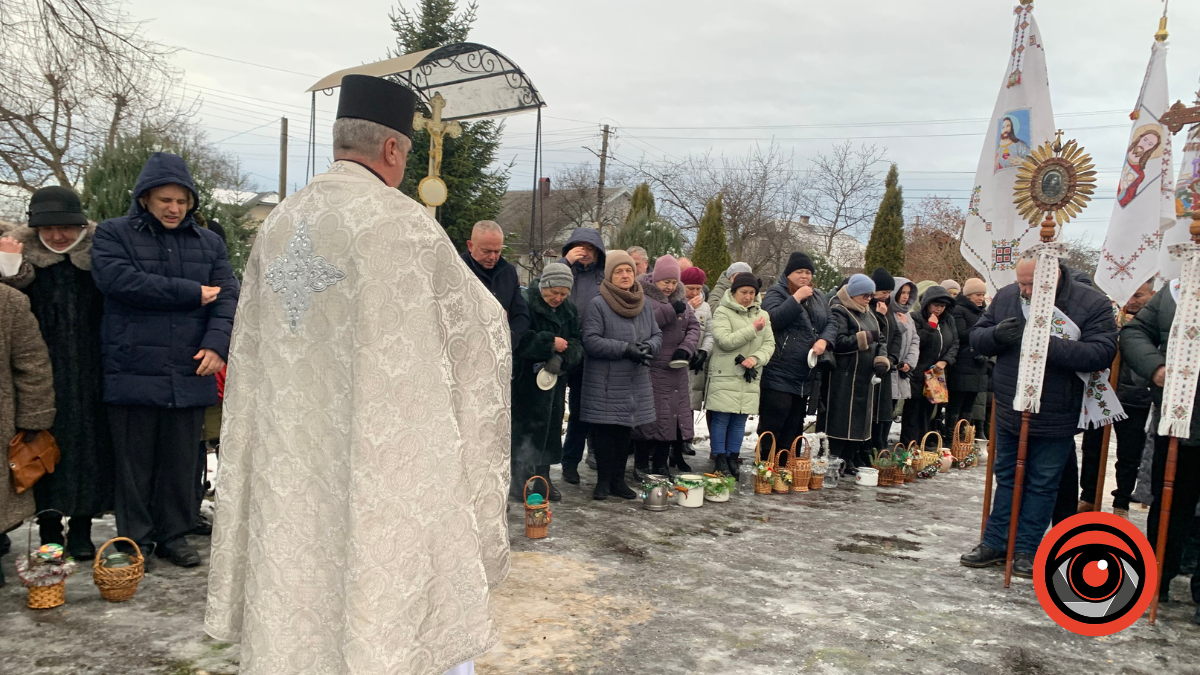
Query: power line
point(246, 63)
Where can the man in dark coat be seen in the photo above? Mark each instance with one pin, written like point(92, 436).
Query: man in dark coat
point(968, 376)
point(584, 254)
point(801, 322)
point(169, 299)
point(1144, 346)
point(57, 244)
point(500, 277)
point(1052, 430)
point(889, 337)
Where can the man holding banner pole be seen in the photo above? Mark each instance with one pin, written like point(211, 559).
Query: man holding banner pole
point(1052, 401)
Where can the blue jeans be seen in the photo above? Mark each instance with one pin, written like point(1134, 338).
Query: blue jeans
point(577, 429)
point(1044, 462)
point(727, 432)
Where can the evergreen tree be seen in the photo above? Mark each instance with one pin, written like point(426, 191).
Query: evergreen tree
point(642, 201)
point(656, 235)
point(711, 253)
point(476, 191)
point(827, 275)
point(886, 247)
point(110, 179)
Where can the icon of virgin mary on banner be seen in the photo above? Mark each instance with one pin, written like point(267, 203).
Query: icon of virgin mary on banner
point(1147, 145)
point(1011, 150)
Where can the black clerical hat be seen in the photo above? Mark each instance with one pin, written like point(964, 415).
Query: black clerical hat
point(377, 100)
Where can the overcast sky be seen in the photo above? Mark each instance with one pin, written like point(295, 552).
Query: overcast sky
point(680, 76)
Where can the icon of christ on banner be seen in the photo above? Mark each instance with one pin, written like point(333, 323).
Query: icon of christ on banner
point(1147, 146)
point(1011, 149)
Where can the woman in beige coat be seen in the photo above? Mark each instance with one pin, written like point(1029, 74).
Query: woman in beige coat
point(26, 395)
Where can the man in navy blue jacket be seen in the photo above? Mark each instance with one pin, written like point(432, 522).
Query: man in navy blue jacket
point(1052, 430)
point(169, 299)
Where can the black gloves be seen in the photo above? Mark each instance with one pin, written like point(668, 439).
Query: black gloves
point(633, 353)
point(751, 374)
point(680, 355)
point(697, 362)
point(980, 359)
point(679, 306)
point(554, 365)
point(1008, 332)
point(882, 365)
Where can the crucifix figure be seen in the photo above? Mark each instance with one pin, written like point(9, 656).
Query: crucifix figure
point(429, 190)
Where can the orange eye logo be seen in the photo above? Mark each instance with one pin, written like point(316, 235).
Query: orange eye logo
point(1095, 574)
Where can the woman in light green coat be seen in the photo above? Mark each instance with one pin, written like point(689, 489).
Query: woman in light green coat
point(744, 344)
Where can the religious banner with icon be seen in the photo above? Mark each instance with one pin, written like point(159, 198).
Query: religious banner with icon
point(1187, 203)
point(1145, 202)
point(996, 235)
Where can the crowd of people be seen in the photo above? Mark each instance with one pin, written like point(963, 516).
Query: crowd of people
point(116, 337)
point(857, 357)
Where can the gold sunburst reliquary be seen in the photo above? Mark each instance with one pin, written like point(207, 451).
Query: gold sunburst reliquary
point(1055, 178)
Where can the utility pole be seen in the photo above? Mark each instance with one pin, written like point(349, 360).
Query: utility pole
point(600, 189)
point(282, 158)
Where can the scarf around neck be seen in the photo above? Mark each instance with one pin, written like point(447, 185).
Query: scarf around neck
point(625, 303)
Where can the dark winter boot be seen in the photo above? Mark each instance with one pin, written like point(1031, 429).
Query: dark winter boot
point(677, 460)
point(79, 539)
point(616, 483)
point(603, 470)
point(688, 449)
point(50, 529)
point(722, 465)
point(735, 467)
point(571, 473)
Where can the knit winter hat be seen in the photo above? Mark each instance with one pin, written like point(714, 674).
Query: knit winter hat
point(666, 267)
point(556, 275)
point(737, 268)
point(950, 285)
point(860, 284)
point(744, 279)
point(883, 280)
point(693, 276)
point(799, 260)
point(974, 286)
point(614, 260)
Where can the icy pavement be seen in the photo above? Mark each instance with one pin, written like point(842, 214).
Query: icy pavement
point(850, 580)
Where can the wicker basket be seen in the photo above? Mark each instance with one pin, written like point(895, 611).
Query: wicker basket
point(537, 518)
point(762, 486)
point(47, 597)
point(801, 464)
point(963, 443)
point(118, 584)
point(816, 481)
point(886, 474)
point(930, 457)
point(780, 484)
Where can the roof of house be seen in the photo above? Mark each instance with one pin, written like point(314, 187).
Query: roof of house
point(245, 198)
point(558, 214)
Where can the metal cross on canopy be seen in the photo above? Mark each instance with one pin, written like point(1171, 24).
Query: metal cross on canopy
point(461, 81)
point(1180, 116)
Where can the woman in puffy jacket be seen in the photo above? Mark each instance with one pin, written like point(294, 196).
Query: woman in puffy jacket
point(744, 344)
point(620, 337)
point(969, 374)
point(903, 299)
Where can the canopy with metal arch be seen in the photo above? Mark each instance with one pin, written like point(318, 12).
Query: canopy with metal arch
point(461, 81)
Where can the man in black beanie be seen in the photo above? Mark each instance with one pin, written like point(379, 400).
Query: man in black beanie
point(885, 403)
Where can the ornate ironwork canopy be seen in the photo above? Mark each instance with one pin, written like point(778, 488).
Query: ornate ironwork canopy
point(474, 79)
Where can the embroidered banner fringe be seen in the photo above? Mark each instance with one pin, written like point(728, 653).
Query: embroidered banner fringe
point(1183, 347)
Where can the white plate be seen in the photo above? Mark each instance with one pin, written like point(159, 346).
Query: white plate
point(681, 363)
point(812, 359)
point(546, 380)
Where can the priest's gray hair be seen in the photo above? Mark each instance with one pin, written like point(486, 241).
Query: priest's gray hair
point(364, 138)
point(486, 226)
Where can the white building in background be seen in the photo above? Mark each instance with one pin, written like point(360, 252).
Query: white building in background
point(848, 253)
point(260, 204)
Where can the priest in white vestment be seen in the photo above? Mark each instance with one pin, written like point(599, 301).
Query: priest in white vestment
point(360, 516)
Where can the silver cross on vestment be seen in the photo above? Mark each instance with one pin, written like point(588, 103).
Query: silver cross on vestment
point(299, 273)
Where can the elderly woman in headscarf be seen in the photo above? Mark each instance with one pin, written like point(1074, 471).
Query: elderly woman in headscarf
point(549, 350)
point(659, 444)
point(620, 337)
point(848, 393)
